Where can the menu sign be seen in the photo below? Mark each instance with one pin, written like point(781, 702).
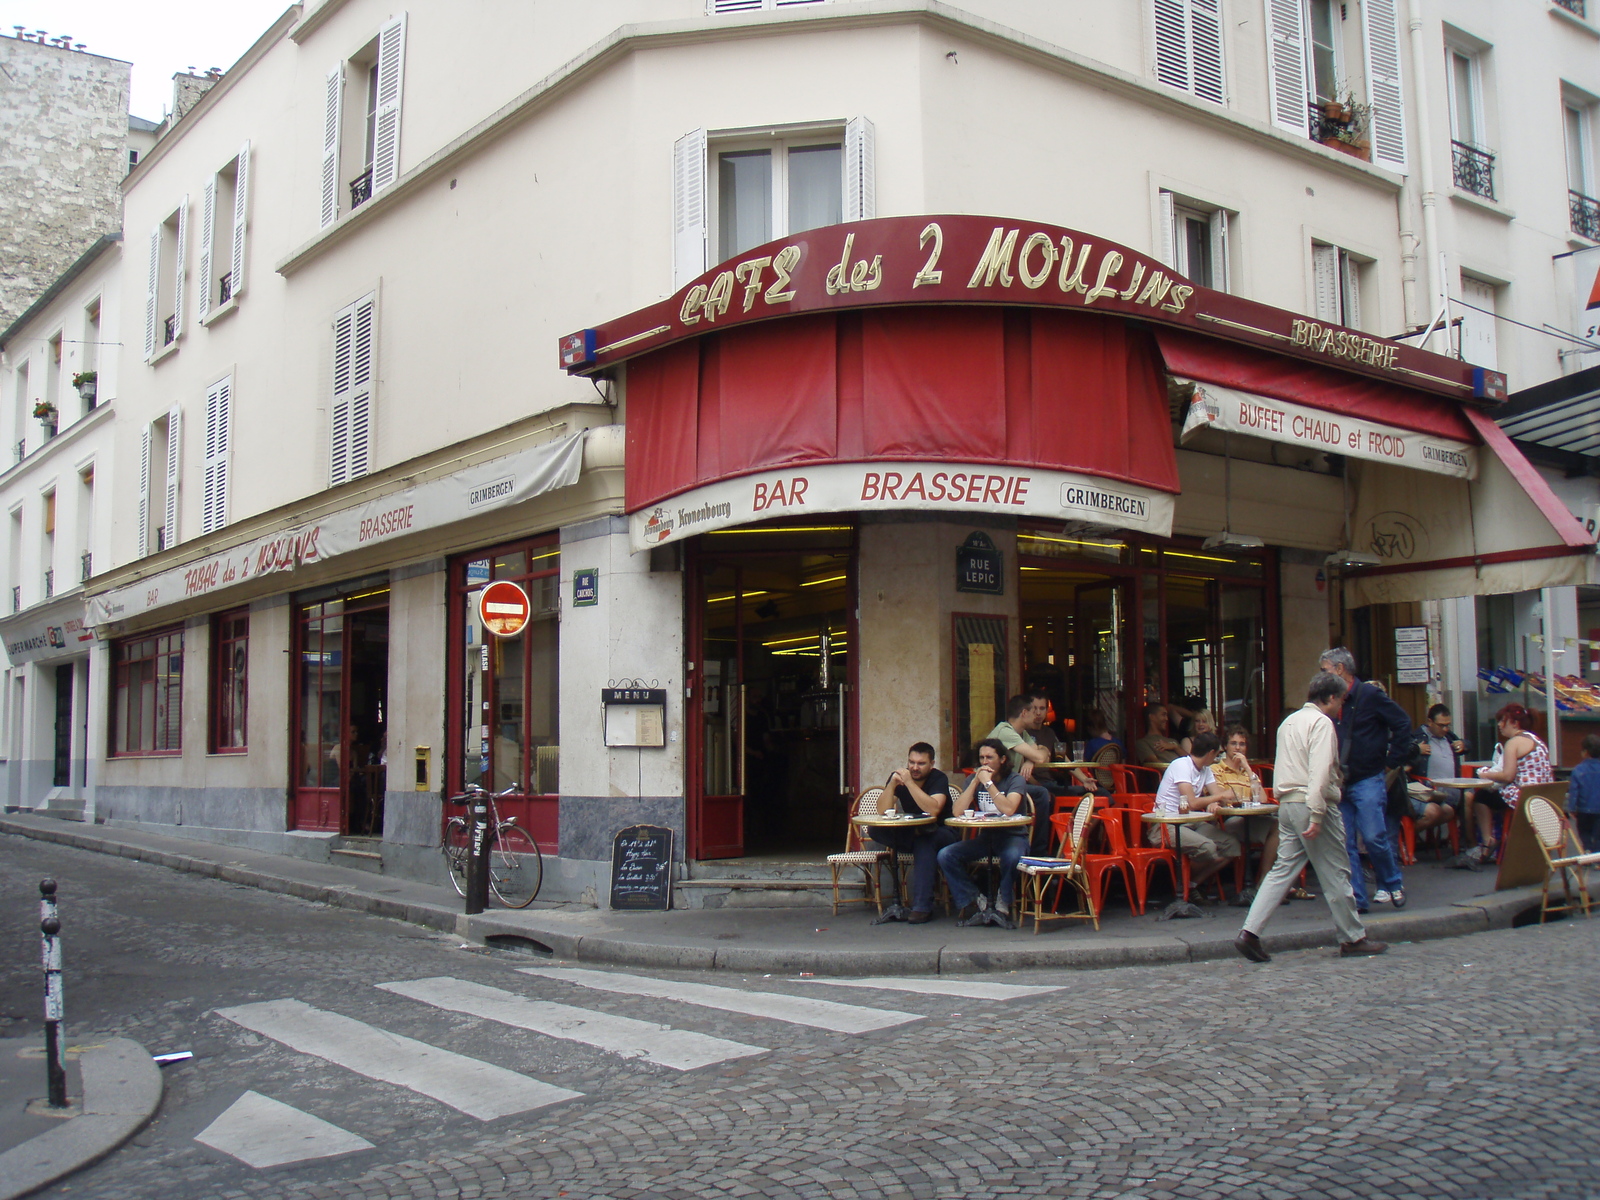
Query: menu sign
point(641, 868)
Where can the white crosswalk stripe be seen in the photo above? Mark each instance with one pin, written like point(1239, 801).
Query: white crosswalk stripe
point(772, 1006)
point(967, 989)
point(680, 1049)
point(476, 1088)
point(262, 1132)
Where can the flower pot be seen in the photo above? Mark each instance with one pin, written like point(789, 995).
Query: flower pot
point(86, 392)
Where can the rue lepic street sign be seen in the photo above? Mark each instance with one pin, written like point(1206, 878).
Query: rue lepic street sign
point(980, 567)
point(503, 608)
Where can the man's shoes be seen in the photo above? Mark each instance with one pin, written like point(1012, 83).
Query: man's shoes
point(1362, 909)
point(918, 917)
point(1398, 898)
point(1249, 945)
point(965, 913)
point(1365, 946)
point(982, 902)
point(1381, 896)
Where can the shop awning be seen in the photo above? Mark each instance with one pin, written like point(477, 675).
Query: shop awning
point(47, 632)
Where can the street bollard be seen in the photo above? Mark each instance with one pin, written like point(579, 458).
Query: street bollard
point(478, 858)
point(50, 926)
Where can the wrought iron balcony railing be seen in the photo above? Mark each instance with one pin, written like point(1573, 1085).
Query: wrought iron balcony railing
point(361, 188)
point(49, 584)
point(20, 449)
point(225, 288)
point(1575, 7)
point(88, 565)
point(16, 598)
point(1472, 169)
point(169, 330)
point(1585, 214)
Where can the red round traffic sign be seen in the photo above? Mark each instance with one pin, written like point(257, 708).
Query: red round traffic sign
point(503, 608)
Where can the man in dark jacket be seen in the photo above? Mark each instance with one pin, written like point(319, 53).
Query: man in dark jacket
point(1374, 738)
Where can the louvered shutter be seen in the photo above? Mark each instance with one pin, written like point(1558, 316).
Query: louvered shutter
point(688, 207)
point(1218, 222)
point(339, 423)
point(1325, 282)
point(208, 224)
point(241, 213)
point(1167, 219)
point(391, 83)
point(1205, 44)
point(713, 7)
point(1286, 66)
point(333, 103)
point(144, 493)
point(174, 445)
point(1172, 42)
point(180, 269)
point(152, 291)
point(1380, 34)
point(1349, 291)
point(214, 478)
point(350, 452)
point(860, 170)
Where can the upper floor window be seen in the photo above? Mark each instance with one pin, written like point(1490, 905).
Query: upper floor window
point(223, 219)
point(1578, 119)
point(350, 440)
point(164, 279)
point(1189, 46)
point(1471, 163)
point(361, 122)
point(1337, 276)
point(1195, 240)
point(160, 443)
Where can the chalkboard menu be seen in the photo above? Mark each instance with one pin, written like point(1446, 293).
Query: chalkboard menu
point(641, 868)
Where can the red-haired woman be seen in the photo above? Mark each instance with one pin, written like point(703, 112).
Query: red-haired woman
point(1524, 760)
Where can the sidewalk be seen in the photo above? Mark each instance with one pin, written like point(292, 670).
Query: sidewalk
point(1443, 902)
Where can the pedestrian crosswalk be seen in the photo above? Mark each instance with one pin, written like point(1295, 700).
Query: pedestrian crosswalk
point(548, 1002)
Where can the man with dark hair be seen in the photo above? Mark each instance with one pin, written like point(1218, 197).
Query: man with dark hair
point(1310, 829)
point(1189, 786)
point(990, 791)
point(920, 789)
point(1156, 745)
point(1374, 739)
point(1025, 755)
point(1437, 756)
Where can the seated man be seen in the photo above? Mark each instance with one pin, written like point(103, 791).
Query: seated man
point(1234, 772)
point(1024, 754)
point(1438, 757)
point(1156, 745)
point(921, 789)
point(1189, 786)
point(991, 790)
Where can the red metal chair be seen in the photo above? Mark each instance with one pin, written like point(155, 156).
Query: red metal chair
point(1143, 859)
point(1099, 866)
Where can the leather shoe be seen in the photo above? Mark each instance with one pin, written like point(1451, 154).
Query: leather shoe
point(918, 917)
point(1365, 946)
point(1249, 945)
point(1398, 898)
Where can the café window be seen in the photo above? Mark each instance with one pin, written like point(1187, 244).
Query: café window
point(147, 694)
point(230, 675)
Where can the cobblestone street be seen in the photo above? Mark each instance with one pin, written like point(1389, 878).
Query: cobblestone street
point(1456, 1068)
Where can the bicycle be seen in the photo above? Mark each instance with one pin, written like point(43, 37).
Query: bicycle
point(516, 868)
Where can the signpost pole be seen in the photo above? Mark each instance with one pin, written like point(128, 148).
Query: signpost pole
point(55, 1062)
point(478, 858)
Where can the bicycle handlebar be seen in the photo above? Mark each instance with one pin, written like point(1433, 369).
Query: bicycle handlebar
point(474, 790)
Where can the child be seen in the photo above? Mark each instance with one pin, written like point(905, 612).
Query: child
point(1583, 794)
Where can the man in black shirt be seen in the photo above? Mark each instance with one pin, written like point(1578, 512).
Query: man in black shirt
point(921, 790)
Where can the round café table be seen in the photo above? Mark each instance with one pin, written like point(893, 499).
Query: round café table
point(1247, 811)
point(966, 824)
point(1175, 819)
point(892, 820)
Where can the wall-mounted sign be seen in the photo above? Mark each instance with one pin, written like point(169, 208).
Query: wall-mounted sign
point(503, 608)
point(980, 567)
point(586, 587)
point(1411, 654)
point(635, 716)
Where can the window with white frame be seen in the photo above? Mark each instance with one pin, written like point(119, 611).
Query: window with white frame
point(1195, 240)
point(85, 523)
point(1337, 277)
point(717, 7)
point(1577, 114)
point(91, 389)
point(1189, 47)
point(350, 434)
point(21, 409)
point(214, 472)
point(224, 217)
point(160, 445)
point(361, 122)
point(1477, 308)
point(1472, 164)
point(164, 280)
point(731, 191)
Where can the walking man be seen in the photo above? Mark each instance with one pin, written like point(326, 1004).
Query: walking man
point(1309, 824)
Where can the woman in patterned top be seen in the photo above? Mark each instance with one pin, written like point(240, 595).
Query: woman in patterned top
point(1525, 760)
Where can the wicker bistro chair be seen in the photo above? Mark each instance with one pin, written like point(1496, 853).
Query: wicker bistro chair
point(1555, 837)
point(904, 860)
point(857, 856)
point(1065, 868)
point(1107, 755)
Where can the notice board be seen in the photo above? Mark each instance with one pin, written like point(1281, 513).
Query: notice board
point(641, 868)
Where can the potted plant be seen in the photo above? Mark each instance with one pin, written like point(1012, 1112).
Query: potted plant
point(84, 381)
point(45, 411)
point(1343, 126)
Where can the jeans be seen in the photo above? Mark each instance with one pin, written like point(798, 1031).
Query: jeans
point(923, 845)
point(1363, 808)
point(1004, 845)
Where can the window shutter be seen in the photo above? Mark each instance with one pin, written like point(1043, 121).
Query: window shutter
point(144, 492)
point(1169, 231)
point(688, 207)
point(333, 102)
point(179, 269)
point(1325, 281)
point(1189, 46)
point(1286, 66)
point(174, 444)
point(1172, 42)
point(1218, 222)
point(241, 211)
point(391, 82)
point(1205, 39)
point(860, 171)
point(1349, 291)
point(1380, 34)
point(713, 7)
point(208, 218)
point(351, 424)
point(339, 424)
point(214, 480)
point(151, 292)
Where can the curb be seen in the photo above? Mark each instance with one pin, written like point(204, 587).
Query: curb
point(121, 1089)
point(1464, 917)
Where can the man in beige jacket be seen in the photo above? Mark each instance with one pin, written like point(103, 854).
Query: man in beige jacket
point(1306, 781)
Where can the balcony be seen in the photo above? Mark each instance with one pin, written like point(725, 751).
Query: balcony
point(1472, 169)
point(88, 565)
point(20, 450)
point(1575, 7)
point(1585, 215)
point(361, 188)
point(16, 598)
point(225, 288)
point(169, 330)
point(49, 584)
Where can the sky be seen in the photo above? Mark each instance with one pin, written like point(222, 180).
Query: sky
point(158, 38)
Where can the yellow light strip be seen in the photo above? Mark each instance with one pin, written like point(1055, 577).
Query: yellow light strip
point(725, 599)
point(810, 637)
point(1201, 557)
point(1039, 537)
point(785, 529)
point(829, 579)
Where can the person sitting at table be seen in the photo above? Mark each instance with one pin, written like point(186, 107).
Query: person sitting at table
point(1201, 722)
point(1024, 754)
point(920, 790)
point(1438, 756)
point(994, 792)
point(1189, 786)
point(1099, 732)
point(1525, 760)
point(1156, 746)
point(1234, 772)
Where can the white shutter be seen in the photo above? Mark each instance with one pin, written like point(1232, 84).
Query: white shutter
point(713, 7)
point(144, 493)
point(1205, 44)
point(1172, 42)
point(1350, 290)
point(1286, 66)
point(1477, 323)
point(1380, 35)
point(688, 207)
point(208, 220)
point(339, 425)
point(174, 444)
point(179, 269)
point(1325, 281)
point(241, 212)
point(860, 170)
point(214, 478)
point(1167, 220)
point(152, 291)
point(1218, 222)
point(350, 450)
point(391, 82)
point(333, 103)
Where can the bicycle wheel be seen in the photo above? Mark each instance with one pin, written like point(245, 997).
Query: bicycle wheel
point(457, 843)
point(516, 868)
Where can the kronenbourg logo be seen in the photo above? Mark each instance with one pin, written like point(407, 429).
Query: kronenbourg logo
point(658, 527)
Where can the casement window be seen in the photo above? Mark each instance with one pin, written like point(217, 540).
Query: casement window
point(94, 394)
point(733, 192)
point(230, 681)
point(164, 280)
point(1476, 338)
point(350, 449)
point(224, 218)
point(1471, 163)
point(147, 694)
point(1189, 47)
point(1337, 278)
point(1578, 124)
point(361, 122)
point(214, 473)
point(21, 410)
point(160, 443)
point(86, 523)
point(1195, 240)
point(717, 7)
point(52, 373)
point(47, 546)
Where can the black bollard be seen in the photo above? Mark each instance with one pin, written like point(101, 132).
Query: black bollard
point(55, 1062)
point(478, 857)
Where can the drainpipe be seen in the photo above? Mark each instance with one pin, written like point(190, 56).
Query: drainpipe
point(1431, 249)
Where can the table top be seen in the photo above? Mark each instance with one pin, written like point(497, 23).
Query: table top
point(889, 821)
point(989, 822)
point(1465, 783)
point(1072, 766)
point(1248, 810)
point(1188, 818)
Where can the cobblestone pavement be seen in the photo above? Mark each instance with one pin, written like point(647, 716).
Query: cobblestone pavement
point(1459, 1068)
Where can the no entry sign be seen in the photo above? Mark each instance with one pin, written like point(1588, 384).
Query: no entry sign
point(503, 608)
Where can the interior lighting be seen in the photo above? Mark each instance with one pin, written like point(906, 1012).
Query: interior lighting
point(829, 579)
point(735, 596)
point(1039, 537)
point(1254, 542)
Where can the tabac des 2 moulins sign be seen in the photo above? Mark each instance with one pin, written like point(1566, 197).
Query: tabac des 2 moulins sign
point(641, 868)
